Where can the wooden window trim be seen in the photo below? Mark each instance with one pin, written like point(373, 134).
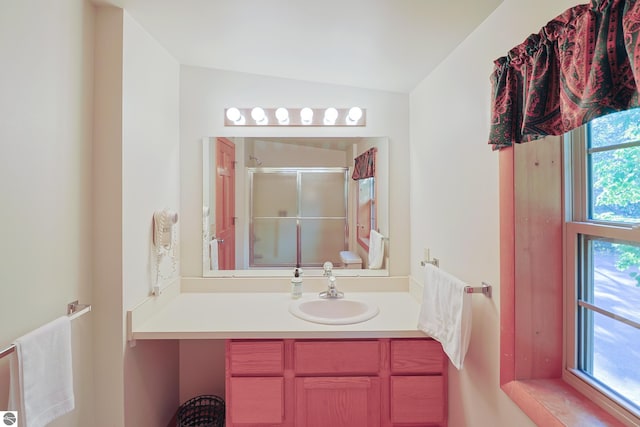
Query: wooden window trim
point(531, 338)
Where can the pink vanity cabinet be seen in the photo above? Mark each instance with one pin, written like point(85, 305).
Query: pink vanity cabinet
point(350, 383)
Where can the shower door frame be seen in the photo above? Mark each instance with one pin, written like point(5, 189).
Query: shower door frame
point(299, 171)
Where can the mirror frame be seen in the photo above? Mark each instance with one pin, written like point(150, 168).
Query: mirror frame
point(382, 174)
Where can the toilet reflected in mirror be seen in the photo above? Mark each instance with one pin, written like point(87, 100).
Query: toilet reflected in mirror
point(350, 260)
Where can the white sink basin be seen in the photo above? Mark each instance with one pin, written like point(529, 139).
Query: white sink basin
point(333, 311)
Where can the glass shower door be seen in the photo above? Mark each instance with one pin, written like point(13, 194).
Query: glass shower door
point(298, 216)
point(323, 217)
point(274, 210)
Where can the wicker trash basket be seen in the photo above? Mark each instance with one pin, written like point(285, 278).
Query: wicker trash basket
point(202, 411)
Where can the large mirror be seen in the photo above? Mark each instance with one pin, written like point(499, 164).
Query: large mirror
point(271, 204)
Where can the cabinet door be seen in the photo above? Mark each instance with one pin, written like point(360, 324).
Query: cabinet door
point(417, 399)
point(338, 402)
point(256, 401)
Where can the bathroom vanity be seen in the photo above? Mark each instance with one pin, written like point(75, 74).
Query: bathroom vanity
point(356, 383)
point(281, 370)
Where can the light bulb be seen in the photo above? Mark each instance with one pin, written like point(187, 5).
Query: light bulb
point(306, 115)
point(330, 116)
point(233, 114)
point(355, 114)
point(259, 116)
point(282, 114)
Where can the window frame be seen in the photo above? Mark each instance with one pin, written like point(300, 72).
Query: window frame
point(531, 285)
point(577, 224)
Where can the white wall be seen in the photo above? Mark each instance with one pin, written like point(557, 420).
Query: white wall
point(277, 154)
point(107, 214)
point(46, 79)
point(151, 181)
point(136, 166)
point(205, 93)
point(150, 153)
point(454, 196)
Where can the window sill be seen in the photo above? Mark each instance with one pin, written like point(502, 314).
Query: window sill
point(552, 402)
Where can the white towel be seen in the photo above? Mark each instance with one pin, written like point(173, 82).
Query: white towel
point(41, 384)
point(376, 250)
point(445, 313)
point(213, 254)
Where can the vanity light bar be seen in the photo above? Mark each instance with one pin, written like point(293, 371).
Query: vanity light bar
point(258, 116)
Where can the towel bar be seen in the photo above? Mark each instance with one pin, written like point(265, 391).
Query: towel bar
point(383, 237)
point(484, 289)
point(74, 310)
point(434, 261)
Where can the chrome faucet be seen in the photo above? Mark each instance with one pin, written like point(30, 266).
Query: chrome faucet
point(332, 291)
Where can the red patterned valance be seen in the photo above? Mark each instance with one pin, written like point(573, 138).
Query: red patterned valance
point(365, 165)
point(583, 64)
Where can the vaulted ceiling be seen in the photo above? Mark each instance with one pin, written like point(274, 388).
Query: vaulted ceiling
point(388, 45)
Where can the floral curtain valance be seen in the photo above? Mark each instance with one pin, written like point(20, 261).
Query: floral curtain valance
point(583, 64)
point(365, 165)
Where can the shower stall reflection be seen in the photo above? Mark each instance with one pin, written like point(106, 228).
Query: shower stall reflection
point(298, 216)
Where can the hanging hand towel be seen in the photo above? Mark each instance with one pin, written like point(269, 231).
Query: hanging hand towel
point(213, 254)
point(41, 377)
point(376, 250)
point(445, 313)
point(205, 235)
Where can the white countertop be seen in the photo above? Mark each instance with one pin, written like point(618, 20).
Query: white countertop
point(221, 315)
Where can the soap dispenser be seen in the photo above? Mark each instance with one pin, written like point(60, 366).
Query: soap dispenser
point(296, 285)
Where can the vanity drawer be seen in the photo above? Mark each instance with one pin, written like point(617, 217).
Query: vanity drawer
point(416, 357)
point(336, 357)
point(256, 357)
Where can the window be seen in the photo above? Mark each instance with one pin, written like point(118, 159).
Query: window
point(602, 253)
point(364, 172)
